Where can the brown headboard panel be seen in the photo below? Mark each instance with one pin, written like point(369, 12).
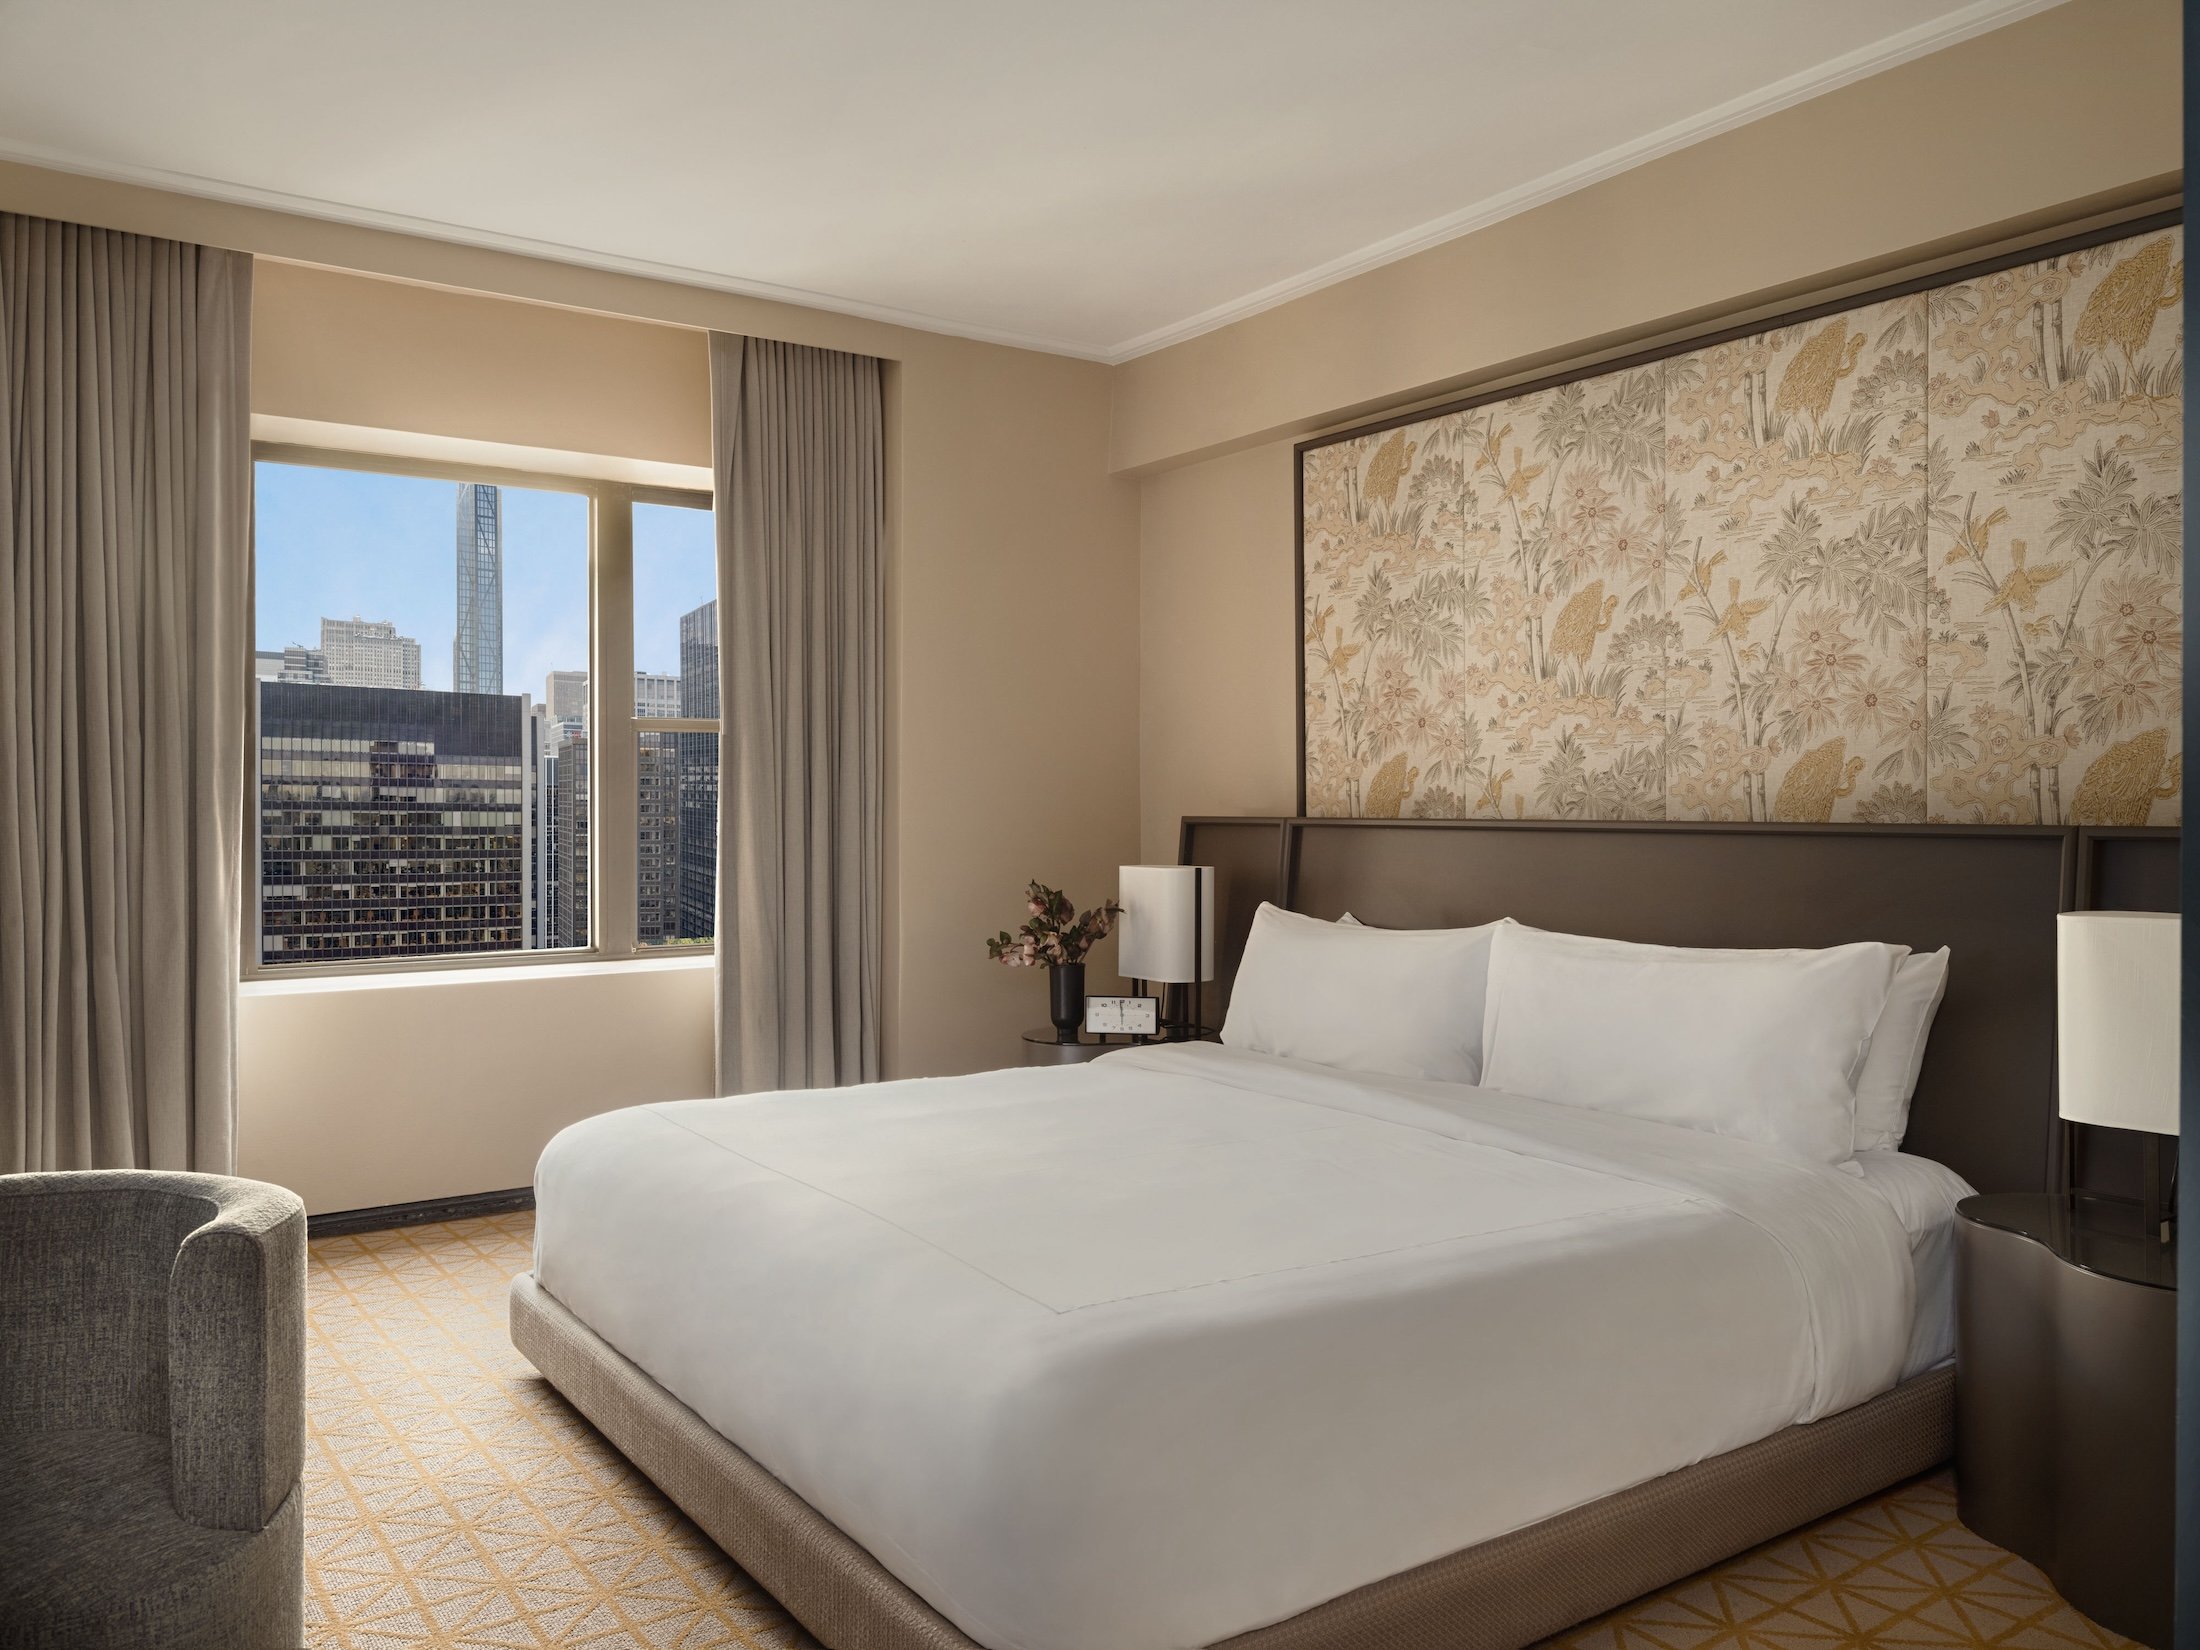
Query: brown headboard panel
point(2128, 869)
point(1985, 1100)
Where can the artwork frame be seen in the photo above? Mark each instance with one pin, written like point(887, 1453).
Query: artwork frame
point(1768, 768)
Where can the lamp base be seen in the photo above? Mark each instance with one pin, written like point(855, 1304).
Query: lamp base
point(2158, 1206)
point(1180, 1017)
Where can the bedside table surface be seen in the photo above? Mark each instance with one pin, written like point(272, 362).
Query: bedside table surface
point(1084, 1039)
point(2096, 1234)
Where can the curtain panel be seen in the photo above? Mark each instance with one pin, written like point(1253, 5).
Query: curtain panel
point(125, 488)
point(798, 439)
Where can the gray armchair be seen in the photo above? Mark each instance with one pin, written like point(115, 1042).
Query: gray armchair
point(152, 1412)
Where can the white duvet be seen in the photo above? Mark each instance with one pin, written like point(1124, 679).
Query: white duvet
point(1140, 1354)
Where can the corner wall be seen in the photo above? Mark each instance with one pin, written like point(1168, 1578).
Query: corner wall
point(1012, 667)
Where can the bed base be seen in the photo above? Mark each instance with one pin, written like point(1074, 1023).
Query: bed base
point(1498, 1595)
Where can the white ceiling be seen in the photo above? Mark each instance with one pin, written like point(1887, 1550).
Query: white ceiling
point(1097, 178)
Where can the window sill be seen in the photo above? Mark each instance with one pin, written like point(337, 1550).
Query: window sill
point(400, 980)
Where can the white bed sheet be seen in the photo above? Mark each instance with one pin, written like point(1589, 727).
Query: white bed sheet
point(1923, 1195)
point(1140, 1354)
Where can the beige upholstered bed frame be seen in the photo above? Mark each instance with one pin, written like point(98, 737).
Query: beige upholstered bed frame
point(1495, 1596)
point(1984, 1105)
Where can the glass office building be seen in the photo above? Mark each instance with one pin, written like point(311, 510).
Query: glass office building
point(477, 650)
point(698, 759)
point(657, 844)
point(392, 823)
point(569, 896)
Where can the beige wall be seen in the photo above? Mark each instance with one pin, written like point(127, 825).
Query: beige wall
point(1013, 669)
point(378, 354)
point(436, 1085)
point(2066, 111)
point(2071, 116)
point(1217, 670)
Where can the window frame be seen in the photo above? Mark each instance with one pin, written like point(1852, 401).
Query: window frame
point(614, 799)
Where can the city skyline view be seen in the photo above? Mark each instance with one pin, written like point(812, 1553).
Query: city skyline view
point(400, 815)
point(345, 544)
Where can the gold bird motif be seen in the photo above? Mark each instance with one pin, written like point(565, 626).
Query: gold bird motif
point(1388, 467)
point(1819, 779)
point(1734, 621)
point(1699, 576)
point(2126, 780)
point(2122, 308)
point(1582, 620)
point(1388, 790)
point(1493, 794)
point(2022, 587)
point(1522, 474)
point(1977, 534)
point(1829, 357)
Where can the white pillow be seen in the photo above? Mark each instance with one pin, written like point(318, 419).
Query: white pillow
point(1762, 1045)
point(1897, 1052)
point(1402, 1003)
point(1889, 1077)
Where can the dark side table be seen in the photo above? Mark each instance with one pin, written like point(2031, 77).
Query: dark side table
point(1043, 1048)
point(2066, 1372)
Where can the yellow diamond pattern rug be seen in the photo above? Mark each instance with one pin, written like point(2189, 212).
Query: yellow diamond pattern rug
point(455, 1502)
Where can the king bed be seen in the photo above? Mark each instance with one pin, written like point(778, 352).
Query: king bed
point(1200, 1345)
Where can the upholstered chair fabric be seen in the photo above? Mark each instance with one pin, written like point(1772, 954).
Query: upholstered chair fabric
point(152, 1412)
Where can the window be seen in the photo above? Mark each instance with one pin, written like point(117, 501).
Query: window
point(431, 765)
point(676, 707)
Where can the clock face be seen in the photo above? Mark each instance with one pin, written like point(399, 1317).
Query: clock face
point(1123, 1015)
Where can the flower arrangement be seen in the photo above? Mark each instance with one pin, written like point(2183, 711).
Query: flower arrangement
point(1056, 934)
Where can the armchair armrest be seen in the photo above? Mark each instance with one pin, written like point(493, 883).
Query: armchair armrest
point(236, 1357)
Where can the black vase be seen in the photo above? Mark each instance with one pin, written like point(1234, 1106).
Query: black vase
point(1067, 1000)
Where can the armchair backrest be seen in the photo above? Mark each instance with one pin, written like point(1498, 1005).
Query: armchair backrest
point(166, 1304)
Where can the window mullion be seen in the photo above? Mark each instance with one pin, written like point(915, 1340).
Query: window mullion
point(613, 781)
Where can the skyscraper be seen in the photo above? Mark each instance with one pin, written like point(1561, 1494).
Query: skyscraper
point(656, 694)
point(538, 791)
point(477, 651)
point(569, 915)
point(369, 653)
point(302, 664)
point(657, 844)
point(391, 823)
point(565, 695)
point(698, 775)
point(662, 791)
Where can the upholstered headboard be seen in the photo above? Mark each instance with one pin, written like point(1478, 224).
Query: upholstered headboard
point(1985, 1100)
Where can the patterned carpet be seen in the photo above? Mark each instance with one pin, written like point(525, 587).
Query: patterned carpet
point(455, 1502)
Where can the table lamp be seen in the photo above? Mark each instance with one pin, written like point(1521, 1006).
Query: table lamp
point(2116, 1027)
point(1167, 937)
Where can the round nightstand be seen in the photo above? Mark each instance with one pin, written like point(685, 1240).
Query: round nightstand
point(1043, 1048)
point(2066, 1326)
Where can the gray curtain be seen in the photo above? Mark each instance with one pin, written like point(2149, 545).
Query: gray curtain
point(125, 559)
point(798, 438)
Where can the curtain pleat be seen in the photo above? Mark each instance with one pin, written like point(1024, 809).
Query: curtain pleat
point(799, 455)
point(125, 476)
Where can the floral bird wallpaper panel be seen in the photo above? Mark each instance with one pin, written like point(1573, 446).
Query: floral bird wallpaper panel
point(1915, 561)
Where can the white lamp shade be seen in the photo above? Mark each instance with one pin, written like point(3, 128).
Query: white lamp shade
point(2116, 1018)
point(1167, 932)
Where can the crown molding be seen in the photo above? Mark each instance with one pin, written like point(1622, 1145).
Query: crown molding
point(1980, 17)
point(490, 240)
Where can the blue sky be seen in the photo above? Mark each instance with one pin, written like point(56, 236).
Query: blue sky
point(350, 543)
